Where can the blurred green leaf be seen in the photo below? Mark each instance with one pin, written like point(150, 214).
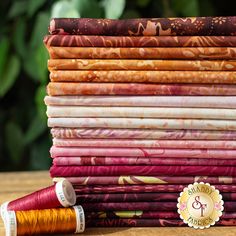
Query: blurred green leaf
point(113, 9)
point(36, 128)
point(18, 8)
point(143, 3)
point(206, 8)
point(19, 37)
point(33, 6)
point(39, 100)
point(35, 64)
point(14, 141)
point(186, 7)
point(88, 8)
point(9, 75)
point(30, 65)
point(41, 58)
point(130, 14)
point(4, 47)
point(64, 8)
point(39, 155)
point(40, 29)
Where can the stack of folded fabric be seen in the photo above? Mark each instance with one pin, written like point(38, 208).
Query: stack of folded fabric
point(139, 109)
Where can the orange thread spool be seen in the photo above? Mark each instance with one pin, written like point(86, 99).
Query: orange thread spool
point(49, 221)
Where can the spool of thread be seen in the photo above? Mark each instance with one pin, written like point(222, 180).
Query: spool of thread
point(62, 194)
point(47, 221)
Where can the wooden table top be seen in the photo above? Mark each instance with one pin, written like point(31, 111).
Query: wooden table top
point(14, 185)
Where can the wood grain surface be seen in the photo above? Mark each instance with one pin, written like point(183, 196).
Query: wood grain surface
point(14, 185)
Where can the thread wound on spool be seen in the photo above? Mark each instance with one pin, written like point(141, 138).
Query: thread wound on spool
point(4, 209)
point(48, 221)
point(10, 223)
point(80, 219)
point(61, 194)
point(65, 193)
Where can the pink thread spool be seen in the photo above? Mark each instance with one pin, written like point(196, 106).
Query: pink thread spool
point(62, 194)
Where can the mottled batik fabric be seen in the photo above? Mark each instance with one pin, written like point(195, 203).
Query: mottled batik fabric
point(142, 152)
point(70, 88)
point(146, 143)
point(139, 197)
point(143, 215)
point(140, 65)
point(142, 123)
point(67, 171)
point(141, 112)
point(121, 76)
point(143, 206)
point(147, 180)
point(187, 53)
point(147, 222)
point(142, 41)
point(152, 188)
point(96, 161)
point(107, 133)
point(146, 27)
point(126, 197)
point(227, 102)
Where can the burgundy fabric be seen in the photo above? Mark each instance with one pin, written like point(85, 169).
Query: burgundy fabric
point(144, 180)
point(143, 206)
point(147, 27)
point(144, 188)
point(137, 197)
point(147, 222)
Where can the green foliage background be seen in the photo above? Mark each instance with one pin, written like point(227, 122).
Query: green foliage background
point(24, 136)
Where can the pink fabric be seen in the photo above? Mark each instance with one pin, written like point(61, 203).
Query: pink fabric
point(145, 101)
point(142, 112)
point(192, 144)
point(142, 152)
point(96, 161)
point(64, 171)
point(106, 133)
point(146, 123)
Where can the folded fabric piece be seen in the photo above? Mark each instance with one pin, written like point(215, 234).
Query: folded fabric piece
point(142, 134)
point(56, 88)
point(132, 76)
point(143, 206)
point(146, 26)
point(142, 152)
point(192, 144)
point(133, 180)
point(143, 41)
point(127, 197)
point(142, 53)
point(159, 188)
point(141, 65)
point(143, 101)
point(141, 112)
point(141, 222)
point(139, 215)
point(147, 222)
point(138, 197)
point(143, 215)
point(96, 161)
point(146, 123)
point(67, 171)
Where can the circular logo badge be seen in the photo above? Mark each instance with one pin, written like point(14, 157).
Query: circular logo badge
point(200, 205)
